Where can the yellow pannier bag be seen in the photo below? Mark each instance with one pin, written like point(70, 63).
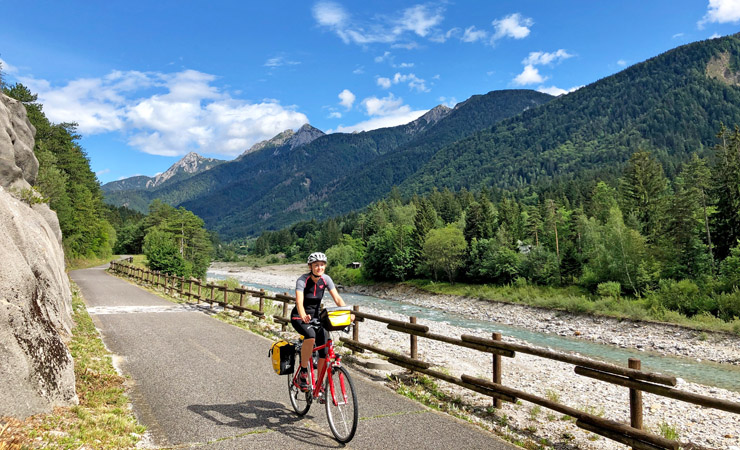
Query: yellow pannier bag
point(336, 318)
point(282, 354)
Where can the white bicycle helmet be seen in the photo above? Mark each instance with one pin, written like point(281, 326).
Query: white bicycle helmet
point(316, 256)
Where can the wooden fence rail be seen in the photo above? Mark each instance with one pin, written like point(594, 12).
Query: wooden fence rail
point(631, 377)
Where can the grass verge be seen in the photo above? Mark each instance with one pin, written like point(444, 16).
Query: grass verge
point(102, 420)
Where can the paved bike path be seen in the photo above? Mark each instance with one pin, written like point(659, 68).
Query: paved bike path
point(199, 382)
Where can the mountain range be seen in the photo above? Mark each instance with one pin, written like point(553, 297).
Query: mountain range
point(671, 105)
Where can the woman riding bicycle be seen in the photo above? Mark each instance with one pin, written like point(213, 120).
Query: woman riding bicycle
point(309, 290)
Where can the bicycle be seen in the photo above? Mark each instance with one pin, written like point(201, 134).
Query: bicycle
point(336, 391)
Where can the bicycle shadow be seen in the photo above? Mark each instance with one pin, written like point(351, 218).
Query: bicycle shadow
point(261, 414)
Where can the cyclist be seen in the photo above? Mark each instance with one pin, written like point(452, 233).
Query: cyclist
point(309, 290)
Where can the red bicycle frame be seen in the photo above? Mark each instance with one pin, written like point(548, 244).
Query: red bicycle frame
point(333, 360)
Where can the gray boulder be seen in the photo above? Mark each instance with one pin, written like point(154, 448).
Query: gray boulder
point(36, 368)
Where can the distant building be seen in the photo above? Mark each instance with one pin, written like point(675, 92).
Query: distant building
point(354, 265)
point(523, 248)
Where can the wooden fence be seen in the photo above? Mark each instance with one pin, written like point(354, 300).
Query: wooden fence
point(630, 377)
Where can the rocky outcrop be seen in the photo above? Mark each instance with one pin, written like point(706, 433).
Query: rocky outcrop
point(18, 165)
point(287, 140)
point(36, 368)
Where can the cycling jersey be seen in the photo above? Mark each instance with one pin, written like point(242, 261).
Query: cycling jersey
point(313, 292)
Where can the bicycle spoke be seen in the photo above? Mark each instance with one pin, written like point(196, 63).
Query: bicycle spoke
point(341, 404)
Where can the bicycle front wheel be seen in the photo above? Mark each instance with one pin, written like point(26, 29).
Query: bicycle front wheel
point(299, 400)
point(341, 404)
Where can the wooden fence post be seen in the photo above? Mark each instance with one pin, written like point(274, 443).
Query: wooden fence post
point(635, 398)
point(262, 300)
point(200, 285)
point(285, 313)
point(414, 341)
point(356, 326)
point(497, 403)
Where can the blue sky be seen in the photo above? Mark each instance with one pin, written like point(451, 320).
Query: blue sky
point(149, 81)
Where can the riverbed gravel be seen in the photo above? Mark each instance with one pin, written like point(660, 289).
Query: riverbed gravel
point(694, 425)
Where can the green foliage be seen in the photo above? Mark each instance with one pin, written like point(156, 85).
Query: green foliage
point(388, 255)
point(167, 228)
point(541, 266)
point(730, 269)
point(161, 251)
point(609, 289)
point(444, 250)
point(490, 260)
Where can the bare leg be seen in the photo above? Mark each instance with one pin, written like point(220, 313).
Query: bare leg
point(306, 350)
point(322, 362)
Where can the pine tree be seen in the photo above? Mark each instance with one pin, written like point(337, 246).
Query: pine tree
point(643, 190)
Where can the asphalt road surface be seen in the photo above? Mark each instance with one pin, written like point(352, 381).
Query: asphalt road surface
point(199, 382)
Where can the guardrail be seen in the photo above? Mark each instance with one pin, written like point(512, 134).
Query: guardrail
point(631, 377)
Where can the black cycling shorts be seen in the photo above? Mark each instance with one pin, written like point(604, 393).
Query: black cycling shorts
point(309, 332)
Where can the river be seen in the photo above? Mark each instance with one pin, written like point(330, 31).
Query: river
point(725, 376)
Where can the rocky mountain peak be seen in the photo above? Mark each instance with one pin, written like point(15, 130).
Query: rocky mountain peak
point(288, 138)
point(305, 135)
point(190, 164)
point(431, 117)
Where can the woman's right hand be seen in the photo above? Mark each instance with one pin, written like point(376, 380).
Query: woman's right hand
point(306, 318)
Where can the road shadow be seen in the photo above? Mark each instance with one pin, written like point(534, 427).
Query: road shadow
point(261, 414)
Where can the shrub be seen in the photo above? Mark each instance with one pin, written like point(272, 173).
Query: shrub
point(685, 297)
point(609, 289)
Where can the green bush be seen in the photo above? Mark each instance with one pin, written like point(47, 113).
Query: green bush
point(609, 289)
point(684, 297)
point(728, 305)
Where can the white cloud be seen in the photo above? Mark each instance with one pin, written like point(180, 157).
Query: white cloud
point(330, 14)
point(359, 71)
point(385, 56)
point(335, 115)
point(102, 172)
point(530, 75)
point(280, 61)
point(387, 106)
point(7, 68)
point(677, 35)
point(472, 35)
point(554, 90)
point(543, 58)
point(347, 98)
point(165, 113)
point(412, 80)
point(381, 122)
point(388, 111)
point(384, 82)
point(450, 102)
point(512, 26)
point(721, 11)
point(419, 20)
point(621, 63)
point(715, 36)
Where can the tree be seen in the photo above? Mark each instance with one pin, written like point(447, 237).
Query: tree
point(726, 176)
point(444, 249)
point(643, 190)
point(187, 232)
point(614, 252)
point(162, 253)
point(388, 254)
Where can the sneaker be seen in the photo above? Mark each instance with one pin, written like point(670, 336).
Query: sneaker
point(303, 380)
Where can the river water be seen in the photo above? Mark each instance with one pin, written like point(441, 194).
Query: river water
point(704, 372)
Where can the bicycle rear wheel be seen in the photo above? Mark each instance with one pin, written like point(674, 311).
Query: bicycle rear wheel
point(299, 400)
point(341, 404)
